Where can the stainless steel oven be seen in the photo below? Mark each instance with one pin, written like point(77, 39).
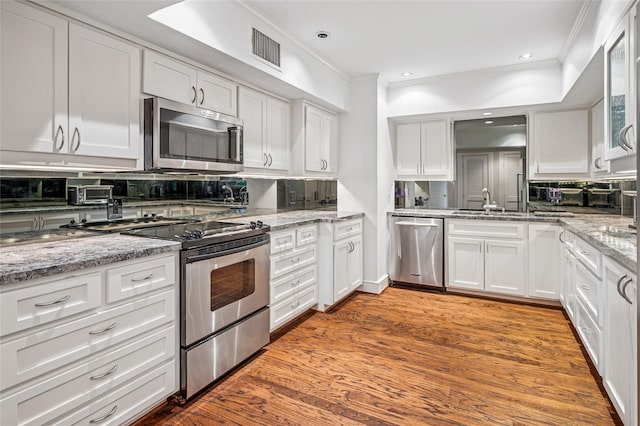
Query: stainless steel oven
point(224, 296)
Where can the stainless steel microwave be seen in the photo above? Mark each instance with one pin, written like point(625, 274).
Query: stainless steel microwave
point(183, 137)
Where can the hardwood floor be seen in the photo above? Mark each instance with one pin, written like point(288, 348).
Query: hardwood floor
point(408, 358)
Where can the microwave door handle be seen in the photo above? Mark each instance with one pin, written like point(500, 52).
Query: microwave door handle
point(191, 126)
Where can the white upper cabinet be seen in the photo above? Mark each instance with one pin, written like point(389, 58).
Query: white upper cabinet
point(315, 141)
point(266, 130)
point(424, 150)
point(618, 123)
point(33, 80)
point(599, 166)
point(69, 93)
point(174, 80)
point(559, 144)
point(104, 95)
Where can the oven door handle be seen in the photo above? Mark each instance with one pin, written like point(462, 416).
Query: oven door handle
point(198, 257)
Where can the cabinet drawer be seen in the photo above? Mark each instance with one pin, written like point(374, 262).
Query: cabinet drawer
point(590, 334)
point(36, 353)
point(490, 229)
point(282, 241)
point(128, 401)
point(51, 301)
point(140, 277)
point(306, 235)
point(590, 256)
point(55, 396)
point(346, 229)
point(589, 290)
point(288, 309)
point(293, 260)
point(289, 284)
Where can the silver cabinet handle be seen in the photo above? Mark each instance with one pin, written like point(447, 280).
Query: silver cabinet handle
point(624, 132)
point(621, 141)
point(43, 222)
point(596, 163)
point(418, 168)
point(270, 160)
point(36, 223)
point(111, 327)
point(623, 291)
point(195, 94)
point(202, 93)
point(266, 160)
point(585, 330)
point(619, 283)
point(560, 237)
point(54, 302)
point(585, 287)
point(584, 253)
point(105, 417)
point(60, 130)
point(103, 375)
point(76, 131)
point(295, 259)
point(148, 277)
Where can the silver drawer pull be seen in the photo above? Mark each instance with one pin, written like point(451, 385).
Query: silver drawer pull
point(148, 277)
point(349, 229)
point(585, 330)
point(111, 327)
point(55, 302)
point(584, 253)
point(307, 235)
point(585, 287)
point(106, 416)
point(108, 373)
point(295, 259)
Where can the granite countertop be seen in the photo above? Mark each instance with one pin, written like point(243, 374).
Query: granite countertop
point(609, 233)
point(30, 261)
point(284, 220)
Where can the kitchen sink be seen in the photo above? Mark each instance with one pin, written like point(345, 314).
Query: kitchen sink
point(483, 213)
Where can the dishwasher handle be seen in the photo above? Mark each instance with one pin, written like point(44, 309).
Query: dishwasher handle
point(416, 224)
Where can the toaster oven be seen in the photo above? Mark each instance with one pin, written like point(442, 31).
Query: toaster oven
point(80, 195)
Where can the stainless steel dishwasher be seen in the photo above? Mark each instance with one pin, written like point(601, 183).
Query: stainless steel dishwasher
point(416, 251)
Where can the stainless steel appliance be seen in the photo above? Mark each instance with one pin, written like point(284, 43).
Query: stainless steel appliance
point(416, 251)
point(572, 197)
point(224, 293)
point(601, 197)
point(183, 137)
point(88, 194)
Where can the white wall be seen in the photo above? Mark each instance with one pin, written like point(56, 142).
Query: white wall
point(491, 137)
point(232, 35)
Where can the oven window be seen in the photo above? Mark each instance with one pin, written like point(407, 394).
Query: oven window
point(232, 283)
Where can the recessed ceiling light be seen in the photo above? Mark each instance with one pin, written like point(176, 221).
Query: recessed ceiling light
point(406, 74)
point(526, 56)
point(487, 113)
point(488, 122)
point(323, 34)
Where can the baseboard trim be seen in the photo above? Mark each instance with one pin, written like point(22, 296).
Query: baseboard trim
point(375, 287)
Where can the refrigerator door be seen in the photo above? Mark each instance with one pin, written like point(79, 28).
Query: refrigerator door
point(416, 251)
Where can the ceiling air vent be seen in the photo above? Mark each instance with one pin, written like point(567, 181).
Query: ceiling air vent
point(265, 48)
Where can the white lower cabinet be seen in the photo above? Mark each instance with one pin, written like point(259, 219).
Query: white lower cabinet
point(546, 254)
point(36, 222)
point(488, 257)
point(341, 258)
point(620, 340)
point(74, 345)
point(568, 295)
point(293, 273)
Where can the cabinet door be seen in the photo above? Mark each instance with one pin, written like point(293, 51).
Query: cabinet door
point(33, 80)
point(19, 223)
point(617, 103)
point(341, 284)
point(505, 267)
point(277, 139)
point(560, 144)
point(620, 334)
point(408, 149)
point(217, 94)
point(168, 78)
point(313, 139)
point(104, 95)
point(55, 220)
point(545, 261)
point(466, 263)
point(329, 148)
point(598, 164)
point(252, 108)
point(569, 284)
point(436, 152)
point(355, 263)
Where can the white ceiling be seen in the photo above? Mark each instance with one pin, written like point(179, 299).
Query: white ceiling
point(389, 37)
point(428, 37)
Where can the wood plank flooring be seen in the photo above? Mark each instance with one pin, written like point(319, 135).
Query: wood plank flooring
point(410, 358)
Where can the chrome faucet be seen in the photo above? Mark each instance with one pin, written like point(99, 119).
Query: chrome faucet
point(488, 205)
point(230, 198)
